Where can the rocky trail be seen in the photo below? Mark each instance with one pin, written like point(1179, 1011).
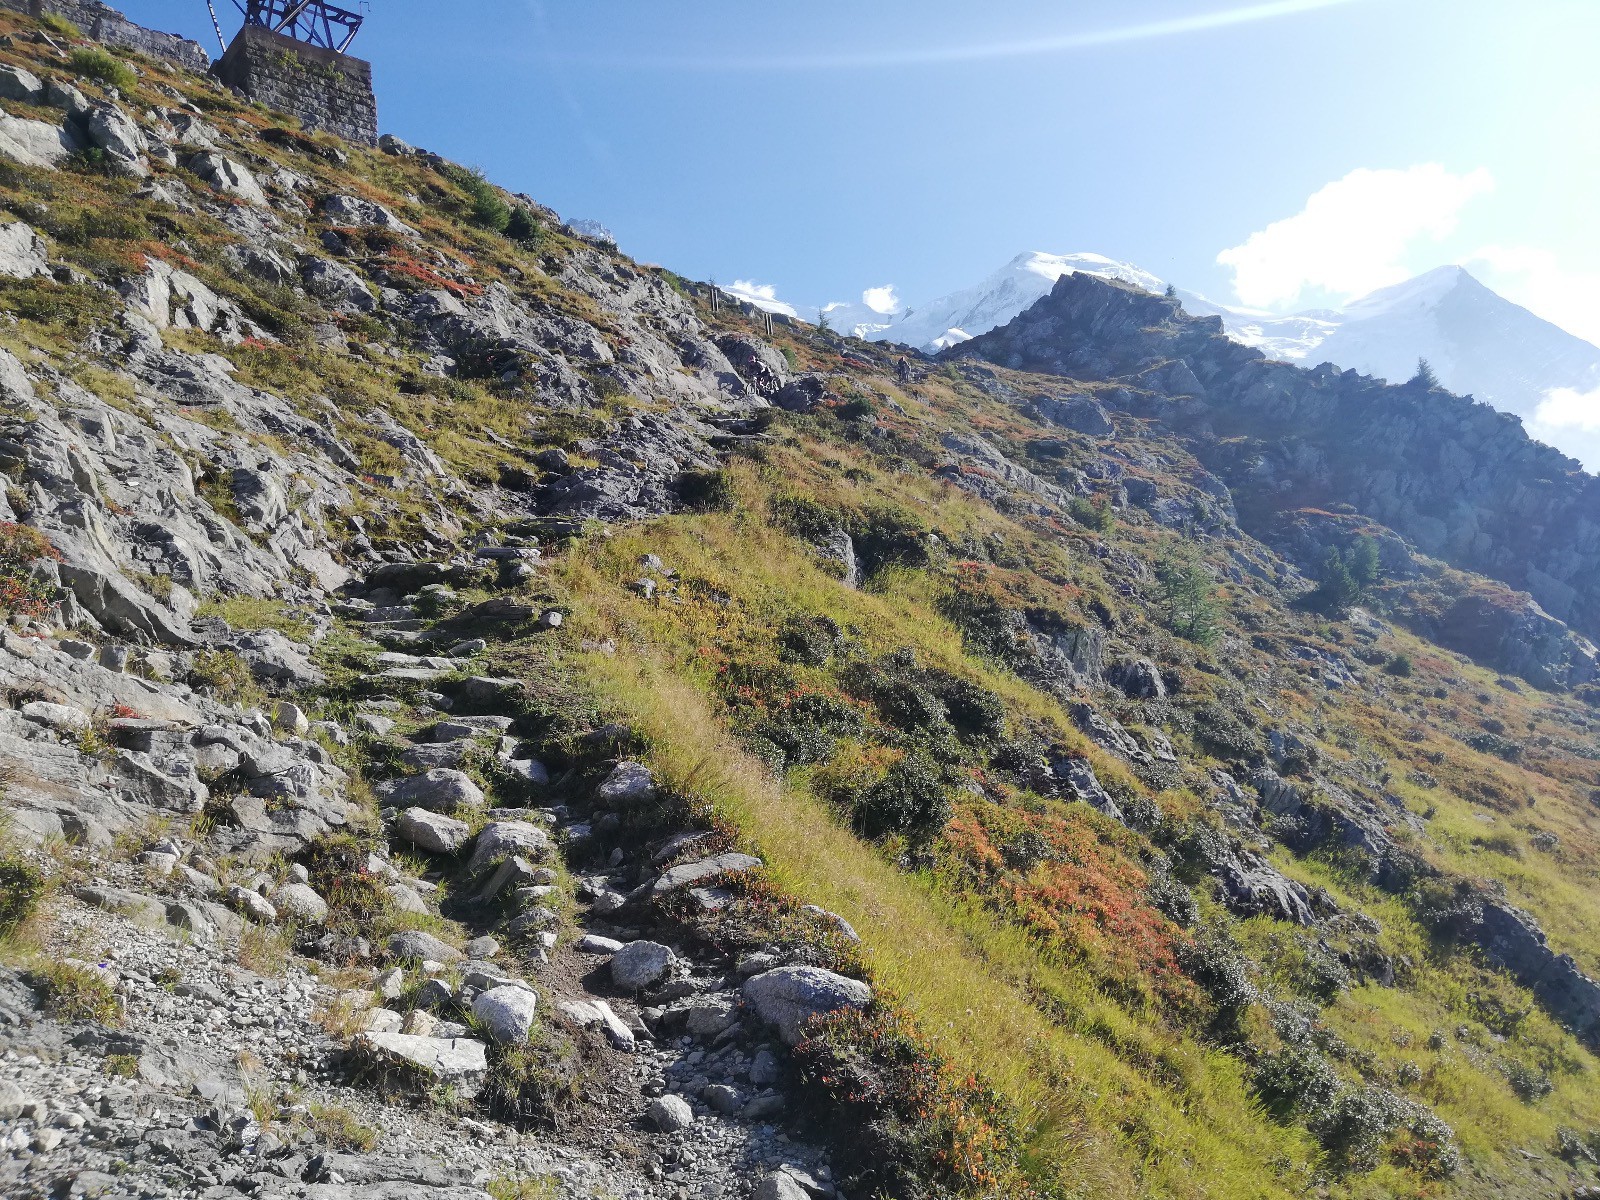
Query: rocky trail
point(349, 1073)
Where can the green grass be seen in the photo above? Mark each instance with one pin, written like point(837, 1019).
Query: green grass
point(73, 992)
point(102, 67)
point(252, 612)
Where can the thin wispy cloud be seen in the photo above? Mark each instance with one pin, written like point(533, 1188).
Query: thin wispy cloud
point(919, 56)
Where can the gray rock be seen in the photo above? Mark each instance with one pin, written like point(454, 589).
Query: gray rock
point(405, 899)
point(507, 1012)
point(513, 873)
point(35, 143)
point(483, 947)
point(353, 210)
point(291, 719)
point(1138, 678)
point(300, 900)
point(274, 658)
point(13, 1100)
point(690, 874)
point(227, 176)
point(629, 783)
point(252, 904)
point(711, 1016)
point(22, 251)
point(63, 718)
point(670, 1114)
point(337, 284)
point(431, 831)
point(110, 129)
point(592, 1014)
point(58, 93)
point(593, 943)
point(764, 1069)
point(1080, 413)
point(414, 945)
point(19, 84)
point(724, 1098)
point(134, 905)
point(640, 965)
point(500, 839)
point(780, 1185)
point(441, 790)
point(789, 996)
point(376, 724)
point(460, 1062)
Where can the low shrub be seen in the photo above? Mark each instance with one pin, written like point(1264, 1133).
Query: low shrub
point(487, 209)
point(74, 992)
point(809, 641)
point(902, 1122)
point(60, 26)
point(1399, 665)
point(523, 228)
point(226, 676)
point(106, 68)
point(22, 886)
point(1096, 514)
point(1294, 1082)
point(341, 1128)
point(706, 491)
point(1529, 1083)
point(22, 593)
point(910, 800)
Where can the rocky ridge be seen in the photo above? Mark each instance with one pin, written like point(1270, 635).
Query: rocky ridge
point(1457, 480)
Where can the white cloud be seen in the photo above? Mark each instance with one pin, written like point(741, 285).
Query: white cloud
point(1568, 408)
point(1352, 235)
point(762, 295)
point(1569, 419)
point(1538, 280)
point(882, 300)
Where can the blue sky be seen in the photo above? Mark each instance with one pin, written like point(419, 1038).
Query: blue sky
point(830, 147)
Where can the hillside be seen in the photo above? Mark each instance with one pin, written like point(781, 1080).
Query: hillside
point(486, 717)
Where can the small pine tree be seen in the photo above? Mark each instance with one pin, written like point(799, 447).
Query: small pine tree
point(1337, 589)
point(1172, 292)
point(524, 228)
point(1363, 563)
point(1188, 605)
point(1344, 579)
point(1425, 377)
point(824, 323)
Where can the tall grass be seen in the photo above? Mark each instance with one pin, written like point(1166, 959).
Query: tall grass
point(1114, 1105)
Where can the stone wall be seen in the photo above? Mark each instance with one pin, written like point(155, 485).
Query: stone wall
point(113, 29)
point(325, 89)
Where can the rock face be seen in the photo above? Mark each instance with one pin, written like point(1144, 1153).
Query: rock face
point(1459, 480)
point(1512, 939)
point(106, 25)
point(790, 996)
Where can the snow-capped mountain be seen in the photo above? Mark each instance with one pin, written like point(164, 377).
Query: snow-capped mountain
point(1478, 342)
point(1016, 286)
point(1028, 278)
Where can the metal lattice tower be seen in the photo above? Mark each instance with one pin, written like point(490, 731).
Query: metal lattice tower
point(314, 22)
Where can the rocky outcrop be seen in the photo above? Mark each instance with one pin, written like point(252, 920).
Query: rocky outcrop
point(1512, 939)
point(1460, 481)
